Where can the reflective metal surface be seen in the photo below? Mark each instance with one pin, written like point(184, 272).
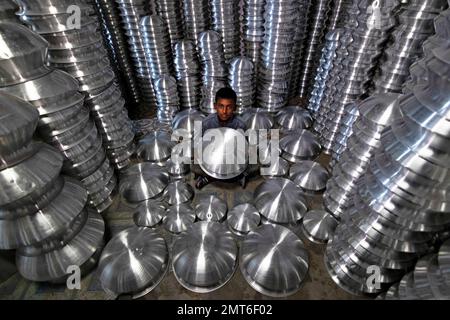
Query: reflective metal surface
point(17, 125)
point(50, 260)
point(225, 21)
point(224, 153)
point(25, 182)
point(280, 201)
point(316, 28)
point(22, 56)
point(178, 192)
point(196, 18)
point(149, 213)
point(253, 30)
point(184, 122)
point(179, 218)
point(155, 147)
point(243, 218)
point(301, 145)
point(376, 113)
point(187, 72)
point(293, 118)
point(204, 257)
point(51, 216)
point(257, 119)
point(274, 261)
point(142, 181)
point(131, 13)
point(279, 168)
point(133, 262)
point(318, 226)
point(309, 175)
point(214, 69)
point(210, 208)
point(241, 78)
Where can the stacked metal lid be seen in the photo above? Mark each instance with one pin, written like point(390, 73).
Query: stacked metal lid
point(133, 262)
point(196, 18)
point(131, 12)
point(171, 12)
point(64, 120)
point(416, 25)
point(274, 261)
point(204, 257)
point(323, 71)
point(417, 70)
point(400, 202)
point(155, 37)
point(338, 14)
point(81, 53)
point(374, 21)
point(209, 207)
point(299, 46)
point(344, 132)
point(214, 69)
point(376, 113)
point(336, 128)
point(159, 55)
point(8, 9)
point(253, 31)
point(430, 279)
point(225, 20)
point(327, 92)
point(241, 78)
point(188, 74)
point(42, 214)
point(119, 52)
point(184, 123)
point(317, 25)
point(167, 98)
point(275, 64)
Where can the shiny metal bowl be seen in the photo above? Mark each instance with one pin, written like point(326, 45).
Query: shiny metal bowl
point(204, 257)
point(318, 226)
point(224, 153)
point(133, 262)
point(273, 260)
point(280, 201)
point(179, 218)
point(149, 213)
point(243, 218)
point(142, 181)
point(178, 192)
point(210, 208)
point(309, 175)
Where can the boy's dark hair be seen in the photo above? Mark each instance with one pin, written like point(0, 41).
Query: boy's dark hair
point(226, 93)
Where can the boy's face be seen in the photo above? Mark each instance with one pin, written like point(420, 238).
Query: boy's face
point(225, 108)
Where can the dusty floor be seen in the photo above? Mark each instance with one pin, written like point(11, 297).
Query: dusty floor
point(318, 284)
